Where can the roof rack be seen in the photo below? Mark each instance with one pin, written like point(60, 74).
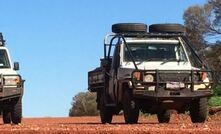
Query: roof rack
point(2, 41)
point(140, 35)
point(151, 34)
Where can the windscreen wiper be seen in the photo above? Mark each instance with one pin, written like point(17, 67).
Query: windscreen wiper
point(168, 60)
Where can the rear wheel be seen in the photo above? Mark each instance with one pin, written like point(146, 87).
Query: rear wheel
point(199, 110)
point(163, 116)
point(16, 112)
point(130, 108)
point(106, 113)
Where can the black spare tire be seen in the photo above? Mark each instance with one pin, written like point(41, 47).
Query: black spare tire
point(166, 28)
point(129, 28)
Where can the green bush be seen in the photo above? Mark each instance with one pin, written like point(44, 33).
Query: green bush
point(217, 90)
point(215, 101)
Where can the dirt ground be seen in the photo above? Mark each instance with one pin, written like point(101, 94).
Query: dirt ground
point(179, 124)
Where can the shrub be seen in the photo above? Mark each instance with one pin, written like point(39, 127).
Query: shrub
point(84, 104)
point(215, 101)
point(217, 90)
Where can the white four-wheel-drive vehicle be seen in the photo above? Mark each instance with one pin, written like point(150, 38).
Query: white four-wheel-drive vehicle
point(151, 71)
point(11, 87)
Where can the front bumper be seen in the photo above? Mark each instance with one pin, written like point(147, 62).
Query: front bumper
point(190, 89)
point(163, 94)
point(11, 91)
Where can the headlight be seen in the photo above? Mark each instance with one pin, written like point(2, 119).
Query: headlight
point(148, 78)
point(11, 80)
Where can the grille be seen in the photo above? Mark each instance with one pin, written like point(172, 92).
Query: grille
point(173, 77)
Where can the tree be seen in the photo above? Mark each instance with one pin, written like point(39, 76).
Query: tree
point(84, 104)
point(215, 18)
point(213, 58)
point(203, 25)
point(205, 20)
point(196, 22)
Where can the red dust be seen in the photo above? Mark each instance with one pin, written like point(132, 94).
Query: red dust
point(179, 124)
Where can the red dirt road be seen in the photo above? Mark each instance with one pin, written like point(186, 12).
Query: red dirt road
point(83, 125)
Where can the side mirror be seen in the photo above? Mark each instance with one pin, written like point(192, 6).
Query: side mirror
point(16, 66)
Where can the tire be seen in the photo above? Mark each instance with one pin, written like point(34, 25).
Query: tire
point(199, 110)
point(166, 28)
point(106, 113)
point(130, 108)
point(16, 112)
point(163, 116)
point(6, 116)
point(129, 28)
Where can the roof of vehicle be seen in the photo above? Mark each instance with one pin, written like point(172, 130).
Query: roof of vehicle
point(171, 41)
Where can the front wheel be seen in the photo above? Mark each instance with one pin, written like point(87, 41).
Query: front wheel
point(16, 112)
point(106, 113)
point(6, 116)
point(199, 110)
point(130, 108)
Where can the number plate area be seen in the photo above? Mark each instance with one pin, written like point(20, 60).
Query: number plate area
point(175, 85)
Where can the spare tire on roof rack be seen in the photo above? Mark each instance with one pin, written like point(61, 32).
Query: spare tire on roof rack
point(129, 28)
point(167, 28)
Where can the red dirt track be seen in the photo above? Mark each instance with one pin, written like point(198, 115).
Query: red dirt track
point(179, 124)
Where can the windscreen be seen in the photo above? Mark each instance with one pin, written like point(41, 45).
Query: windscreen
point(4, 62)
point(157, 51)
